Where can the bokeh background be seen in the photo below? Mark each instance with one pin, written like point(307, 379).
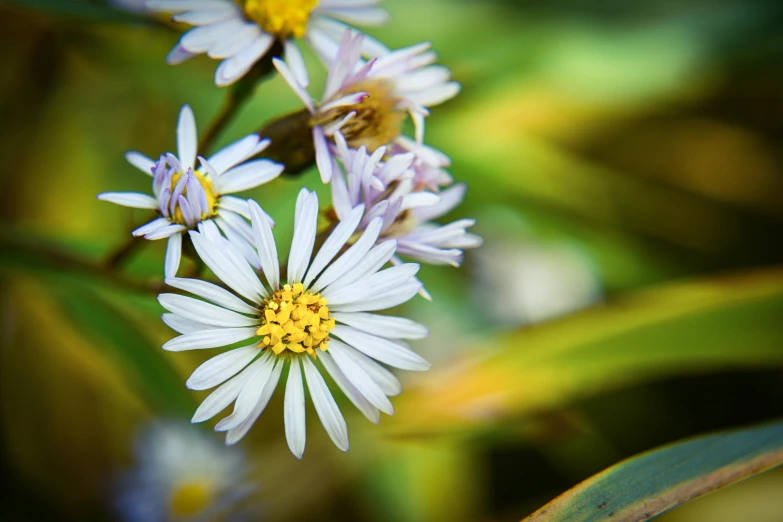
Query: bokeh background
point(625, 166)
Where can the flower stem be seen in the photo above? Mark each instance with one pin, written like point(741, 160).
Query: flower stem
point(31, 255)
point(237, 95)
point(116, 259)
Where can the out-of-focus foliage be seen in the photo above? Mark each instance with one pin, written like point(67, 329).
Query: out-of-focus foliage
point(643, 136)
point(686, 328)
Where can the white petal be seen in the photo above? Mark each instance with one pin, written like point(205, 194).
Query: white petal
point(204, 312)
point(231, 69)
point(378, 256)
point(393, 353)
point(294, 410)
point(419, 199)
point(294, 59)
point(372, 285)
point(290, 78)
point(352, 256)
point(265, 245)
point(435, 95)
point(238, 224)
point(221, 266)
point(204, 16)
point(182, 325)
point(200, 39)
point(212, 338)
point(323, 44)
point(359, 378)
point(322, 156)
point(173, 255)
point(234, 435)
point(140, 161)
point(248, 397)
point(178, 55)
point(235, 43)
point(390, 299)
point(234, 204)
point(186, 138)
point(130, 199)
point(384, 325)
point(305, 227)
point(224, 395)
point(248, 175)
point(350, 391)
point(234, 154)
point(179, 6)
point(213, 293)
point(341, 200)
point(449, 199)
point(222, 367)
point(336, 240)
point(384, 378)
point(325, 407)
point(237, 234)
point(165, 232)
point(359, 16)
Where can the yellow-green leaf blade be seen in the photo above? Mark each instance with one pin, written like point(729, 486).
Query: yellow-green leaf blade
point(652, 483)
point(685, 328)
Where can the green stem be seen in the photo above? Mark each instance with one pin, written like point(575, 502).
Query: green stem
point(118, 257)
point(29, 254)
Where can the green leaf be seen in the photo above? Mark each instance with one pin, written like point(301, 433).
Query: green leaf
point(140, 359)
point(695, 327)
point(649, 484)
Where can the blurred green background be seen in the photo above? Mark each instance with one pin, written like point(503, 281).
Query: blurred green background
point(624, 162)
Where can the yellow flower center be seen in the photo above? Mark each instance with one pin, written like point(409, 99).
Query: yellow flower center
point(209, 190)
point(281, 18)
point(295, 320)
point(377, 122)
point(190, 498)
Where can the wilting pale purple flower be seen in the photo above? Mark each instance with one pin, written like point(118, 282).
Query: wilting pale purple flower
point(367, 101)
point(319, 316)
point(389, 189)
point(183, 475)
point(185, 195)
point(240, 33)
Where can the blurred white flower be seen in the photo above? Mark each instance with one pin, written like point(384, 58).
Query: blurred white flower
point(526, 281)
point(183, 475)
point(367, 102)
point(185, 196)
point(240, 33)
point(290, 325)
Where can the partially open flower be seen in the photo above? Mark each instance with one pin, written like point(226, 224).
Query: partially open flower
point(319, 316)
point(185, 195)
point(241, 33)
point(368, 102)
point(393, 190)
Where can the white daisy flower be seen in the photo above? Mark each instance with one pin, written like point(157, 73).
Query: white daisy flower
point(183, 475)
point(320, 314)
point(185, 195)
point(367, 102)
point(390, 189)
point(242, 32)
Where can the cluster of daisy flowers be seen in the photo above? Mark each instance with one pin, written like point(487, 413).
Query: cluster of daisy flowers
point(318, 311)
